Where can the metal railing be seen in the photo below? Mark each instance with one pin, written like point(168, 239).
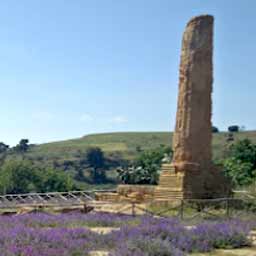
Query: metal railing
point(185, 209)
point(48, 199)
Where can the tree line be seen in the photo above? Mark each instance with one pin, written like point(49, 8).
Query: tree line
point(20, 174)
point(232, 128)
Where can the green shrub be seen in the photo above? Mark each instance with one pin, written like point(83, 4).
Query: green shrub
point(240, 165)
point(146, 168)
point(22, 176)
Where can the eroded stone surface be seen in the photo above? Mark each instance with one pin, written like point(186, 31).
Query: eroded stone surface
point(192, 137)
point(192, 174)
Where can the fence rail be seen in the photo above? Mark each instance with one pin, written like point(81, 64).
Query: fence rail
point(185, 209)
point(190, 209)
point(48, 199)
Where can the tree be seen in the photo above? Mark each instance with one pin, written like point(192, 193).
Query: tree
point(23, 146)
point(240, 165)
point(233, 128)
point(96, 160)
point(3, 148)
point(79, 174)
point(241, 173)
point(215, 129)
point(18, 177)
point(95, 157)
point(244, 150)
point(22, 176)
point(55, 181)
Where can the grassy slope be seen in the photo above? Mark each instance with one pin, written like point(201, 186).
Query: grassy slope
point(124, 143)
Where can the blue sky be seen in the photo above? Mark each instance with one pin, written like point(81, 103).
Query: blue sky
point(70, 68)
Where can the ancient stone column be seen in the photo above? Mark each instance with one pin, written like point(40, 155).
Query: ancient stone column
point(193, 135)
point(191, 173)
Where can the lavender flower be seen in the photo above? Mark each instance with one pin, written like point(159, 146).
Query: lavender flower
point(68, 235)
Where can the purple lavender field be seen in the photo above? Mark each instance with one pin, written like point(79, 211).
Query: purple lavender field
point(69, 235)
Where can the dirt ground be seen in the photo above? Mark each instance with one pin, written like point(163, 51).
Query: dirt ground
point(234, 252)
point(237, 252)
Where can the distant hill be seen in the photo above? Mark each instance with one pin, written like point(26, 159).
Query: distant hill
point(124, 144)
point(119, 149)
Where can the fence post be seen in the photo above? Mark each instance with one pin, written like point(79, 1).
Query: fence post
point(182, 209)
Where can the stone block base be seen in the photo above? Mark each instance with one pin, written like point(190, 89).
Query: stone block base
point(191, 184)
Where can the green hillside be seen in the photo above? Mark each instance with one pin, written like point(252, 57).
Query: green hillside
point(119, 149)
point(125, 144)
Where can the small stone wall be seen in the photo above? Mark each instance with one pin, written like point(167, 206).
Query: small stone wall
point(128, 193)
point(125, 190)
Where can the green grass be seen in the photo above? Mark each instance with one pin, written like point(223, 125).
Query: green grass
point(124, 144)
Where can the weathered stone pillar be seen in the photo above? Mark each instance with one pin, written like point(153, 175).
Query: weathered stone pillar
point(191, 173)
point(192, 137)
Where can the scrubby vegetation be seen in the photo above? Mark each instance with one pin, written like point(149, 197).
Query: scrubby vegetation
point(240, 164)
point(91, 162)
point(146, 168)
point(21, 176)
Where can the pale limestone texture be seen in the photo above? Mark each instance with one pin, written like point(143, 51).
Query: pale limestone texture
point(191, 173)
point(192, 137)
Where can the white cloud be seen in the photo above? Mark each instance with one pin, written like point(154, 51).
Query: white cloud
point(119, 120)
point(86, 118)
